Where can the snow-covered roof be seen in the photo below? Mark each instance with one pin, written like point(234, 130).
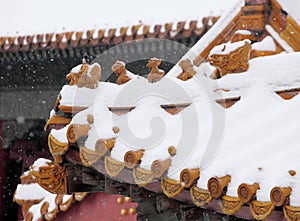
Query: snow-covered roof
point(259, 128)
point(253, 142)
point(267, 44)
point(261, 123)
point(282, 74)
point(29, 17)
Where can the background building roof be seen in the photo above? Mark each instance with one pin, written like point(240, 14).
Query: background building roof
point(33, 17)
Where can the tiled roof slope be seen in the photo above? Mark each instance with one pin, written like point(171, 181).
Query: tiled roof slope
point(239, 174)
point(47, 41)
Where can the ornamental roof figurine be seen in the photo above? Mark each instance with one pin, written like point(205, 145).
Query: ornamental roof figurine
point(155, 74)
point(120, 70)
point(85, 75)
point(231, 57)
point(187, 70)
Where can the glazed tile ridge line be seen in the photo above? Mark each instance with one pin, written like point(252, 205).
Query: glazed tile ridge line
point(93, 37)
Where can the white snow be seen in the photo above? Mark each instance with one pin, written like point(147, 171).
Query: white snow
point(282, 73)
point(226, 48)
point(243, 32)
point(31, 191)
point(260, 132)
point(26, 173)
point(267, 44)
point(260, 128)
point(292, 7)
point(60, 134)
point(52, 113)
point(36, 208)
point(76, 69)
point(66, 198)
point(40, 163)
point(280, 41)
point(75, 96)
point(102, 126)
point(29, 17)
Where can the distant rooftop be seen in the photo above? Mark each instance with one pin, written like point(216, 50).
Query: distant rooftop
point(33, 17)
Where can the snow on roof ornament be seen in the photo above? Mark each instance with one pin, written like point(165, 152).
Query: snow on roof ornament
point(230, 57)
point(50, 176)
point(85, 75)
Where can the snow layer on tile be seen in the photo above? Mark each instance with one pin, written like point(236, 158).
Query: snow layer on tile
point(34, 191)
point(76, 69)
point(260, 125)
point(52, 113)
point(75, 96)
point(31, 191)
point(201, 126)
point(282, 73)
point(131, 75)
point(147, 127)
point(221, 94)
point(292, 7)
point(294, 197)
point(138, 127)
point(66, 198)
point(40, 163)
point(29, 17)
point(102, 126)
point(61, 134)
point(280, 41)
point(226, 48)
point(26, 173)
point(36, 209)
point(260, 129)
point(243, 32)
point(148, 119)
point(267, 44)
point(85, 97)
point(260, 133)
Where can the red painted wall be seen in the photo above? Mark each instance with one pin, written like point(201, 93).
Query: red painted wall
point(99, 207)
point(3, 172)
